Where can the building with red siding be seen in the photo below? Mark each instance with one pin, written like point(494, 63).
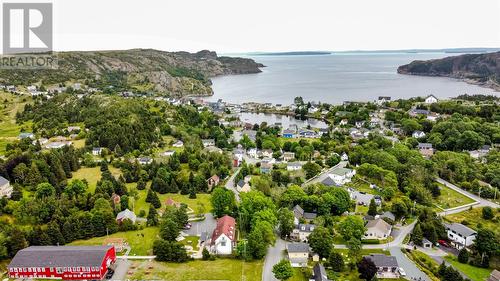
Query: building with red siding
point(62, 262)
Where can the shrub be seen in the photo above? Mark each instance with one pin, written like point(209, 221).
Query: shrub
point(488, 213)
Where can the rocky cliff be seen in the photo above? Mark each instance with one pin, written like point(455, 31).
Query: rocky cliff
point(174, 73)
point(480, 69)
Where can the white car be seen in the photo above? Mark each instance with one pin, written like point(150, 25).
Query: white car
point(402, 271)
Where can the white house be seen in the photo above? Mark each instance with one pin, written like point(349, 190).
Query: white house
point(418, 134)
point(302, 231)
point(96, 151)
point(344, 122)
point(294, 166)
point(126, 215)
point(5, 188)
point(178, 143)
point(344, 157)
point(243, 186)
point(267, 153)
point(287, 156)
point(208, 142)
point(341, 175)
point(168, 153)
point(460, 235)
point(381, 100)
point(430, 99)
point(145, 160)
point(224, 236)
point(377, 229)
point(253, 152)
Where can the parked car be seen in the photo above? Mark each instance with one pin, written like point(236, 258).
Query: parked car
point(444, 243)
point(402, 271)
point(187, 226)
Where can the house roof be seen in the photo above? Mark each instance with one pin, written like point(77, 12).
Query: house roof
point(305, 227)
point(460, 229)
point(319, 273)
point(388, 215)
point(494, 276)
point(214, 178)
point(328, 181)
point(3, 181)
point(381, 260)
point(241, 183)
point(294, 164)
point(225, 225)
point(424, 145)
point(126, 214)
point(60, 256)
point(341, 171)
point(298, 211)
point(297, 247)
point(379, 224)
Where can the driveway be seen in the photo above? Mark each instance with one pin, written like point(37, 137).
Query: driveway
point(324, 174)
point(274, 255)
point(121, 269)
point(412, 271)
point(230, 185)
point(197, 227)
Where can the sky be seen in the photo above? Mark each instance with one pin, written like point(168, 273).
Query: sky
point(231, 26)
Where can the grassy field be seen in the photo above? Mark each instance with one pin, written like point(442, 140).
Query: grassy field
point(449, 198)
point(141, 241)
point(93, 175)
point(79, 143)
point(473, 218)
point(200, 205)
point(9, 130)
point(191, 241)
point(474, 273)
point(219, 269)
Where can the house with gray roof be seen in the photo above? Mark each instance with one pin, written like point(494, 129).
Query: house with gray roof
point(302, 231)
point(387, 266)
point(298, 254)
point(377, 229)
point(299, 214)
point(460, 235)
point(5, 188)
point(126, 215)
point(319, 273)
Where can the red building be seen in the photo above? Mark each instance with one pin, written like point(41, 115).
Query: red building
point(62, 262)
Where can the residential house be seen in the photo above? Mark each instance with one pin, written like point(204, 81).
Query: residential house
point(253, 152)
point(41, 141)
point(418, 134)
point(267, 153)
point(213, 149)
point(416, 112)
point(481, 152)
point(126, 215)
point(387, 266)
point(5, 188)
point(361, 198)
point(74, 128)
point(460, 235)
point(168, 153)
point(302, 231)
point(287, 156)
point(96, 151)
point(381, 100)
point(251, 134)
point(319, 273)
point(374, 122)
point(145, 160)
point(359, 124)
point(342, 175)
point(299, 214)
point(308, 133)
point(265, 167)
point(58, 144)
point(213, 181)
point(208, 142)
point(26, 136)
point(344, 157)
point(298, 254)
point(344, 122)
point(288, 133)
point(294, 166)
point(323, 132)
point(377, 229)
point(430, 99)
point(388, 215)
point(224, 236)
point(243, 186)
point(425, 149)
point(426, 243)
point(178, 143)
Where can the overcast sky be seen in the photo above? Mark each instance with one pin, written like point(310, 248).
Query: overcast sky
point(275, 25)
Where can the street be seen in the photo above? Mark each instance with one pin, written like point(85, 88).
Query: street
point(274, 255)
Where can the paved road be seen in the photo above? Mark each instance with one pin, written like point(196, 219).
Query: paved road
point(121, 269)
point(230, 185)
point(273, 256)
point(481, 201)
point(409, 267)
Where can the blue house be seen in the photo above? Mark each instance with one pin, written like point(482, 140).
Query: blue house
point(288, 134)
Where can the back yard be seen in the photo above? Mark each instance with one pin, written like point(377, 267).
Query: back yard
point(449, 198)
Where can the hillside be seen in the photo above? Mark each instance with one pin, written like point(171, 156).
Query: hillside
point(175, 73)
point(481, 69)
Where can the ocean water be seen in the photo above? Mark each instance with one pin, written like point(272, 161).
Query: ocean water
point(336, 78)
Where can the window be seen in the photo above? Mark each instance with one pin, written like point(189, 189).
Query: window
point(59, 270)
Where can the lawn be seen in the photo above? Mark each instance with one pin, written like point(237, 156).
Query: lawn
point(219, 269)
point(191, 241)
point(472, 218)
point(300, 274)
point(79, 143)
point(141, 241)
point(93, 175)
point(449, 198)
point(474, 273)
point(9, 130)
point(200, 205)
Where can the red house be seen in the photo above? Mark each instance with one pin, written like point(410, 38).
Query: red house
point(62, 262)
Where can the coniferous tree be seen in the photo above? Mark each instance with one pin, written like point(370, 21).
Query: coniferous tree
point(152, 218)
